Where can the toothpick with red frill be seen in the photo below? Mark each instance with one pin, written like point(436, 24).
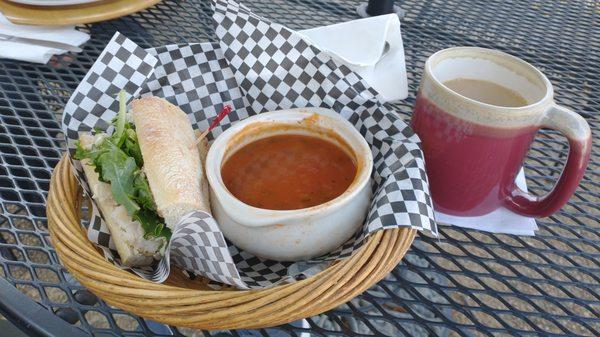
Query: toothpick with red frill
point(224, 112)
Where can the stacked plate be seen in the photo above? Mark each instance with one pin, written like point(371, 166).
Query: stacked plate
point(68, 12)
point(53, 2)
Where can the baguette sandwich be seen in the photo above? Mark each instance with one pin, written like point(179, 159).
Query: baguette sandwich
point(145, 176)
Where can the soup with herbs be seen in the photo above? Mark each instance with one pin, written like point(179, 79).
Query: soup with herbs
point(286, 172)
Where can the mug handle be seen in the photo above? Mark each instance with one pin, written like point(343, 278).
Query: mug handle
point(578, 133)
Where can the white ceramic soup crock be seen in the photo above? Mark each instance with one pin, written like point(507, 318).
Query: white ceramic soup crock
point(291, 235)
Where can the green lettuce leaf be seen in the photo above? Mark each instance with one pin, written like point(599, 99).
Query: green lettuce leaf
point(118, 161)
point(132, 147)
point(142, 195)
point(121, 116)
point(118, 169)
point(152, 224)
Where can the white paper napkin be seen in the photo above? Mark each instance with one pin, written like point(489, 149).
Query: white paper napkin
point(361, 45)
point(499, 221)
point(33, 53)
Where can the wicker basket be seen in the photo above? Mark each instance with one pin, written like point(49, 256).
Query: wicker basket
point(190, 303)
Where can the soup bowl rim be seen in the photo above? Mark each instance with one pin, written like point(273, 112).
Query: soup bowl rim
point(258, 217)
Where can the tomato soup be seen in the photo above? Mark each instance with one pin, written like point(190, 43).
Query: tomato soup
point(290, 171)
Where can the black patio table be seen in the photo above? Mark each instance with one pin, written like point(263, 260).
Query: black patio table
point(466, 283)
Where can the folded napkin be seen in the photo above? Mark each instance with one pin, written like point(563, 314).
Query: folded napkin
point(499, 221)
point(34, 53)
point(371, 47)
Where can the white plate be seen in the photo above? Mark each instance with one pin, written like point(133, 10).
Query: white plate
point(53, 2)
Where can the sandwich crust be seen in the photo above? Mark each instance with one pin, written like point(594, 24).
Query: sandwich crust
point(171, 159)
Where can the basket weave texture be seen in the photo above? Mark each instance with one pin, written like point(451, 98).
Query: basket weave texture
point(184, 302)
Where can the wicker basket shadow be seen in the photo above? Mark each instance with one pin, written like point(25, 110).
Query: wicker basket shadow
point(183, 302)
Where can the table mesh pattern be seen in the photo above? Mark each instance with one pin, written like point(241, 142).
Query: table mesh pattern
point(466, 283)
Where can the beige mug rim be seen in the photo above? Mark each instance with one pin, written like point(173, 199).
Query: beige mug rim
point(443, 54)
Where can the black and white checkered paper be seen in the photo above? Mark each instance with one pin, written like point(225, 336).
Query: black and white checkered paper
point(256, 66)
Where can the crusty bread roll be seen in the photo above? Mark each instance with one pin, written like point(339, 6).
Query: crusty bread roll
point(127, 234)
point(171, 158)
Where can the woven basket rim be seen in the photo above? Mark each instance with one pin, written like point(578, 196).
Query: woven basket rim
point(182, 302)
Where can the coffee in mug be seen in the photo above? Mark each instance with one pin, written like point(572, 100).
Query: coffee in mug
point(477, 113)
point(486, 92)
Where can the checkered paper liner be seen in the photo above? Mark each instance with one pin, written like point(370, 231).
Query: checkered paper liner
point(256, 66)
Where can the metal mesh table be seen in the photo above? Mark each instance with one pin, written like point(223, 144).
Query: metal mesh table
point(466, 283)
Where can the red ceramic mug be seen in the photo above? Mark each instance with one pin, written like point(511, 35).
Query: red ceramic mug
point(473, 150)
